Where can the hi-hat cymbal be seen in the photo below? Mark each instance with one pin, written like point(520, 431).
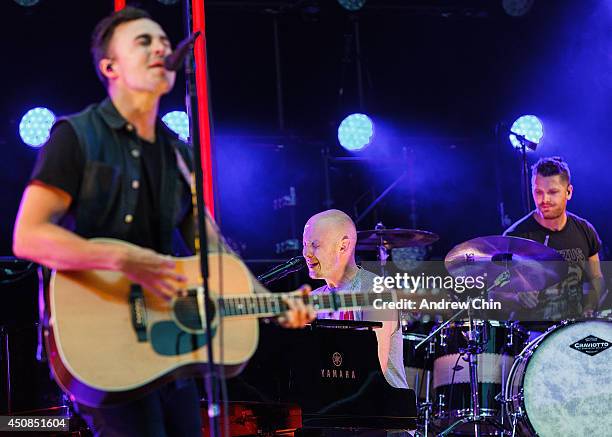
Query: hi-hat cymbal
point(394, 238)
point(530, 265)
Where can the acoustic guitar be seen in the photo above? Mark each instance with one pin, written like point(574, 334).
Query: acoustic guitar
point(109, 340)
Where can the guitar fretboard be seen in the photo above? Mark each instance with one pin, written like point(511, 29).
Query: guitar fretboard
point(269, 305)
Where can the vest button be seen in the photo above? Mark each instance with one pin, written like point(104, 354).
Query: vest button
point(129, 218)
point(135, 184)
point(129, 127)
point(135, 153)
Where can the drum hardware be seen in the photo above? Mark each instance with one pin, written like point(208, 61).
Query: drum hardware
point(382, 240)
point(529, 265)
point(473, 348)
point(443, 339)
point(380, 237)
point(425, 407)
point(517, 264)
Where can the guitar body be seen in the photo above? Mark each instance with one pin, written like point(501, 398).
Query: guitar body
point(101, 356)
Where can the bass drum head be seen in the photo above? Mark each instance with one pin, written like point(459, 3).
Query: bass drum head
point(568, 391)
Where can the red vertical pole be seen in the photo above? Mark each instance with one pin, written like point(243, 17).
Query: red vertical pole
point(197, 8)
point(119, 4)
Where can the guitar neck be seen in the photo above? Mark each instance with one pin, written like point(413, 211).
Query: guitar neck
point(273, 304)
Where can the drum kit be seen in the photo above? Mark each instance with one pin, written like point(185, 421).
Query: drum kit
point(479, 377)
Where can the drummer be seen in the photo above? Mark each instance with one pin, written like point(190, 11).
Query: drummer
point(572, 236)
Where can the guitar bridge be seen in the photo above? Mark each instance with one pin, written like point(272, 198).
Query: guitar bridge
point(139, 312)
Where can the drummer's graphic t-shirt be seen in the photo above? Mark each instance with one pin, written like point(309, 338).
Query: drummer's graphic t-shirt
point(576, 242)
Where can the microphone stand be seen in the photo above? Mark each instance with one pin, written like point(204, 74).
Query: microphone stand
point(525, 144)
point(211, 376)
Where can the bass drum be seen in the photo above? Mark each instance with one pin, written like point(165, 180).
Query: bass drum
point(561, 384)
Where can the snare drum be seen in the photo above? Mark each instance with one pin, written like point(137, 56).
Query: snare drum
point(561, 384)
point(451, 382)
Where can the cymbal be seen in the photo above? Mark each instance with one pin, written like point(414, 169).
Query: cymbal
point(394, 238)
point(531, 265)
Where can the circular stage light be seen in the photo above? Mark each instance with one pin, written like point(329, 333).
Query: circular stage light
point(355, 132)
point(517, 8)
point(178, 122)
point(35, 126)
point(27, 2)
point(528, 125)
point(352, 5)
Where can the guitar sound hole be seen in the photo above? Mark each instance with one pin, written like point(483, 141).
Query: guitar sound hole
point(187, 311)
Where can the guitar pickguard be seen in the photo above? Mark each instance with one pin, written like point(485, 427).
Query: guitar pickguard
point(169, 340)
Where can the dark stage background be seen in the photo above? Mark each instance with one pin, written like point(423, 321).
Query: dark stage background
point(438, 77)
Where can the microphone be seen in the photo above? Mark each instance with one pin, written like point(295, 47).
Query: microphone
point(174, 60)
point(281, 270)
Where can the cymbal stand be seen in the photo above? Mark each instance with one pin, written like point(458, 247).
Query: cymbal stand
point(383, 253)
point(427, 405)
point(473, 349)
point(425, 408)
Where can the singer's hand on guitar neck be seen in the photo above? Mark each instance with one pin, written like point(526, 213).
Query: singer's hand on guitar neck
point(298, 314)
point(151, 270)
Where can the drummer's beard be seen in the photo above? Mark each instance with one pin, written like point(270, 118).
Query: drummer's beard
point(552, 213)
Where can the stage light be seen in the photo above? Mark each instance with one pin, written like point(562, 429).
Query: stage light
point(517, 8)
point(27, 2)
point(352, 5)
point(355, 132)
point(35, 126)
point(178, 122)
point(530, 127)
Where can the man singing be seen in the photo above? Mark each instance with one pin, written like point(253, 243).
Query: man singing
point(114, 170)
point(329, 249)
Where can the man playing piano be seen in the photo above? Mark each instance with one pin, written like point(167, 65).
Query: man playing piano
point(329, 249)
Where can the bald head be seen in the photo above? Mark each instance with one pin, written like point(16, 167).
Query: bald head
point(334, 223)
point(329, 243)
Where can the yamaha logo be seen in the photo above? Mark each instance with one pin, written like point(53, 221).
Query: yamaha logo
point(337, 359)
point(335, 373)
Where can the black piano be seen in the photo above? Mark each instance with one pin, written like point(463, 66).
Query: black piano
point(328, 374)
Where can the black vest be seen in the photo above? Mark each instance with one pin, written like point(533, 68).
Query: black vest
point(106, 203)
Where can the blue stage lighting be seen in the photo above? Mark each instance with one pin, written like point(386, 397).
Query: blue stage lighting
point(35, 126)
point(530, 126)
point(355, 132)
point(352, 5)
point(178, 122)
point(27, 3)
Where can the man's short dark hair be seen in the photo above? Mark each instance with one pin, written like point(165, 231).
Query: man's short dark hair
point(102, 34)
point(552, 166)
